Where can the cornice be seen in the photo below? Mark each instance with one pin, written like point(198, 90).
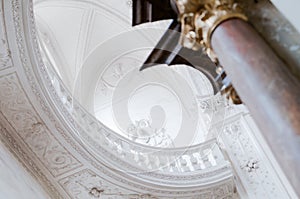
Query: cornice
point(45, 126)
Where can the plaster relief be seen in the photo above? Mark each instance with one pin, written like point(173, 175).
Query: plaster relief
point(5, 55)
point(22, 116)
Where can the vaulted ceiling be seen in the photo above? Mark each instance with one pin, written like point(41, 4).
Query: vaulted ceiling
point(72, 155)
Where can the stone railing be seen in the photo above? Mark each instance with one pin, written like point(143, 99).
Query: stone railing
point(71, 153)
point(205, 160)
point(194, 166)
point(199, 171)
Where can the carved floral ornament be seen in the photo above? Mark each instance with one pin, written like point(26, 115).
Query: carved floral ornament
point(18, 9)
point(56, 165)
point(199, 19)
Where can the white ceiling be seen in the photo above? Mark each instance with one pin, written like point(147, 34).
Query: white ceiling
point(97, 53)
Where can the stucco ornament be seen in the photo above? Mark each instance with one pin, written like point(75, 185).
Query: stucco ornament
point(199, 19)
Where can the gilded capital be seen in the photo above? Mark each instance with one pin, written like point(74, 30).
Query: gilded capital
point(199, 19)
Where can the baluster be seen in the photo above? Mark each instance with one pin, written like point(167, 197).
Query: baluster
point(129, 156)
point(201, 161)
point(106, 140)
point(163, 163)
point(120, 150)
point(218, 155)
point(174, 166)
point(141, 160)
point(135, 155)
point(195, 162)
point(148, 163)
point(205, 158)
point(183, 164)
point(126, 148)
point(113, 146)
point(212, 159)
point(154, 162)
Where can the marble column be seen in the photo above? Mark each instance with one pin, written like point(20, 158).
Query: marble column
point(266, 86)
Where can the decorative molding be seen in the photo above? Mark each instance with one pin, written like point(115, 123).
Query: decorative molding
point(74, 117)
point(5, 55)
point(86, 124)
point(7, 138)
point(249, 161)
point(200, 18)
point(45, 82)
point(86, 184)
point(23, 118)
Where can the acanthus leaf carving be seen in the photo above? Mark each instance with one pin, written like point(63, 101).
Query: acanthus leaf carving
point(5, 54)
point(22, 116)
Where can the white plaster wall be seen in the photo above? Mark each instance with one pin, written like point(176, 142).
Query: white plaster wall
point(15, 181)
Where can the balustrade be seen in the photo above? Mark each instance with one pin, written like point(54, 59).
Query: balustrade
point(205, 157)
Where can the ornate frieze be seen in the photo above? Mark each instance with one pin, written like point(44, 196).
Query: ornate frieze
point(5, 55)
point(84, 124)
point(43, 144)
point(22, 116)
point(8, 139)
point(249, 159)
point(87, 184)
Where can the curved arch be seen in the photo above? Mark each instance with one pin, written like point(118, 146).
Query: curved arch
point(90, 149)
